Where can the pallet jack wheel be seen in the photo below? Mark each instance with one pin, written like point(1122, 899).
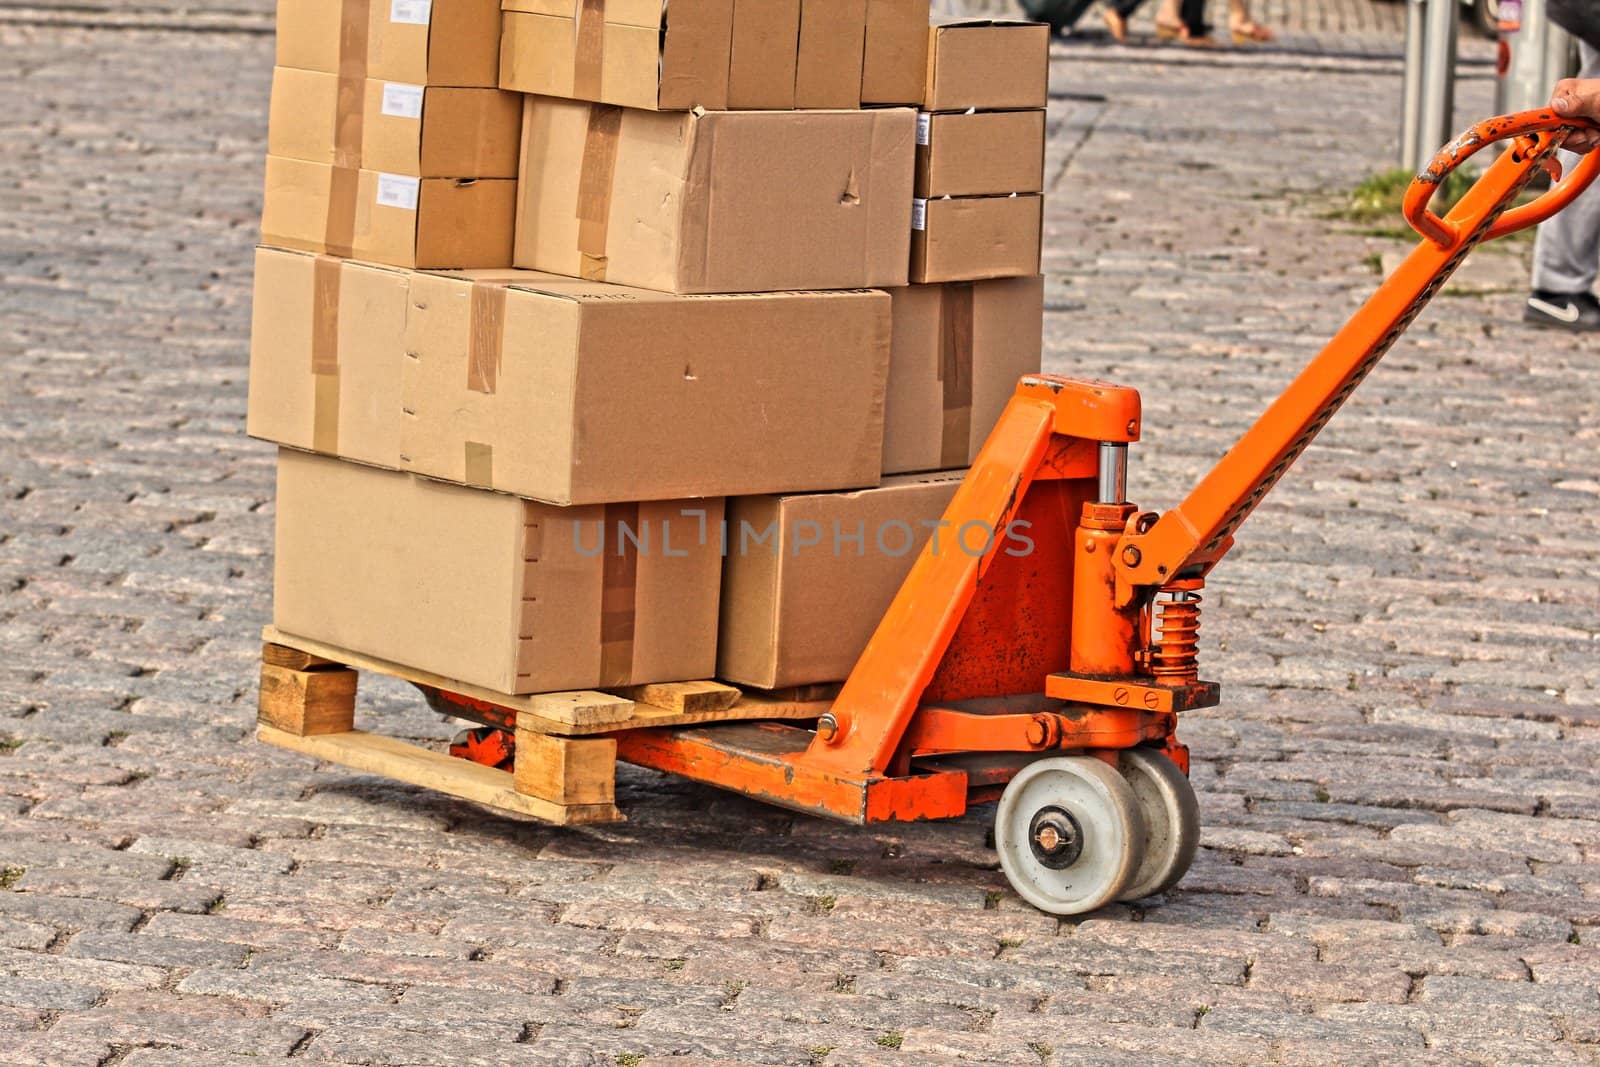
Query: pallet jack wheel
point(1171, 821)
point(1069, 831)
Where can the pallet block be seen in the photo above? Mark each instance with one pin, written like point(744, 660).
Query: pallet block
point(566, 770)
point(307, 702)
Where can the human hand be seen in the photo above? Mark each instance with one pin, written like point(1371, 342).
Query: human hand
point(1578, 98)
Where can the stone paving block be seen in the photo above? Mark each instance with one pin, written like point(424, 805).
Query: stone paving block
point(50, 1051)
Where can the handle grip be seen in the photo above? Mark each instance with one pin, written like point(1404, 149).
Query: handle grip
point(1537, 134)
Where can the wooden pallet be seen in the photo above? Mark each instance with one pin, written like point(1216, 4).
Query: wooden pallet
point(565, 766)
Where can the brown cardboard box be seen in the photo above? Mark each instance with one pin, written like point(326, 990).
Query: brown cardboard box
point(491, 590)
point(761, 68)
point(417, 130)
point(988, 64)
point(894, 66)
point(981, 153)
point(326, 340)
point(582, 392)
point(957, 353)
point(969, 238)
point(807, 578)
point(828, 66)
point(716, 202)
point(418, 42)
point(396, 219)
point(619, 52)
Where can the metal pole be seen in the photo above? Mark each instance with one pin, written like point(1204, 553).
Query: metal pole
point(1411, 93)
point(1439, 80)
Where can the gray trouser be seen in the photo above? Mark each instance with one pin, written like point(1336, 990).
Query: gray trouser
point(1566, 254)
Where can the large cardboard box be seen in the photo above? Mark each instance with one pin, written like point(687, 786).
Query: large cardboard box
point(988, 64)
point(624, 52)
point(968, 238)
point(487, 589)
point(761, 67)
point(716, 202)
point(396, 219)
point(894, 65)
point(807, 578)
point(957, 354)
point(326, 340)
point(418, 42)
point(980, 153)
point(581, 392)
point(828, 65)
point(417, 130)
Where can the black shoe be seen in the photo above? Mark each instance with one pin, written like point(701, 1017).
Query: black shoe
point(1578, 312)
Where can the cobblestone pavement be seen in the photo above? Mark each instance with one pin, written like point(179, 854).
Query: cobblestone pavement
point(1400, 791)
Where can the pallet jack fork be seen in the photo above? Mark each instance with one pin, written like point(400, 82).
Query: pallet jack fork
point(1053, 678)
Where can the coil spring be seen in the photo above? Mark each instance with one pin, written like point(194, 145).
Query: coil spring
point(1175, 637)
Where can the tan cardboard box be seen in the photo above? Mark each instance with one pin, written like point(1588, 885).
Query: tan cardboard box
point(491, 590)
point(807, 578)
point(417, 130)
point(716, 202)
point(969, 238)
point(828, 66)
point(894, 65)
point(981, 153)
point(418, 42)
point(582, 392)
point(761, 68)
point(957, 354)
point(988, 64)
point(395, 219)
point(326, 340)
point(621, 52)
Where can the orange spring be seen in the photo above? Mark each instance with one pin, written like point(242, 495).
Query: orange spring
point(1175, 644)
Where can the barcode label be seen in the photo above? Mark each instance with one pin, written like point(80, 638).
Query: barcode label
point(398, 190)
point(919, 214)
point(411, 12)
point(402, 101)
point(924, 127)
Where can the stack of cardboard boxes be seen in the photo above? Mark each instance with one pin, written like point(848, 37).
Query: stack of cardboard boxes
point(612, 345)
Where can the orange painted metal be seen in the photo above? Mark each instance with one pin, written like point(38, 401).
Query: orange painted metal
point(940, 731)
point(1132, 693)
point(1107, 636)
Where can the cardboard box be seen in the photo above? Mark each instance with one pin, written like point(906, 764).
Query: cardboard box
point(582, 392)
point(829, 63)
point(807, 578)
point(417, 130)
point(716, 202)
point(894, 65)
point(981, 153)
point(326, 340)
point(761, 68)
point(988, 64)
point(957, 353)
point(418, 42)
point(969, 238)
point(623, 52)
point(491, 590)
point(395, 219)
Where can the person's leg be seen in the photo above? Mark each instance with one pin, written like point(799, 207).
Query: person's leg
point(1566, 252)
point(1060, 14)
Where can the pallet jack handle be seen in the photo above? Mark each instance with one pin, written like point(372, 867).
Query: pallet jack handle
point(1187, 541)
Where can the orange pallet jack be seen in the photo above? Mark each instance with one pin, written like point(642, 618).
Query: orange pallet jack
point(1053, 679)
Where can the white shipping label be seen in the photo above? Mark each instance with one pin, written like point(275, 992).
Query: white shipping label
point(411, 12)
point(398, 190)
point(919, 214)
point(402, 101)
point(924, 127)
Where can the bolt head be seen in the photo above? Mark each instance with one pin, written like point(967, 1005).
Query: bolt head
point(828, 727)
point(1131, 556)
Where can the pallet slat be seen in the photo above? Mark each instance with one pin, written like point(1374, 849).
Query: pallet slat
point(415, 765)
point(685, 698)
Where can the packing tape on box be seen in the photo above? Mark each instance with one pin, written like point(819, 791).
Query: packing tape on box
point(351, 105)
point(594, 188)
point(589, 54)
point(619, 591)
point(339, 233)
point(325, 275)
point(486, 336)
point(479, 465)
point(955, 374)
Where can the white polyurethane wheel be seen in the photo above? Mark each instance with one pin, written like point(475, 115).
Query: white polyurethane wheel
point(1171, 821)
point(1068, 831)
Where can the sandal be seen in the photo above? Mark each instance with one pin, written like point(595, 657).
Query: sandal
point(1248, 32)
point(1116, 24)
point(1167, 31)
